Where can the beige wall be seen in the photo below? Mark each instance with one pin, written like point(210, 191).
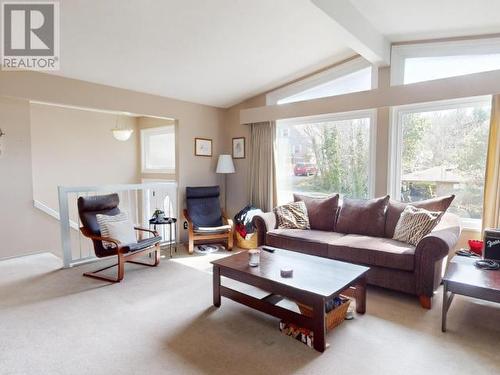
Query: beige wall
point(16, 194)
point(22, 229)
point(72, 147)
point(237, 183)
point(15, 177)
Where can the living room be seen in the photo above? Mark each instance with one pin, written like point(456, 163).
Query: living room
point(338, 154)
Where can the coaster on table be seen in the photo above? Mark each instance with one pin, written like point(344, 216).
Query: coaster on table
point(286, 272)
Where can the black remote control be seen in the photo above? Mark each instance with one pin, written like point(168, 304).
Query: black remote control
point(268, 249)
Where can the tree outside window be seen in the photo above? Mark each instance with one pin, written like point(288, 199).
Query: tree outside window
point(333, 157)
point(444, 152)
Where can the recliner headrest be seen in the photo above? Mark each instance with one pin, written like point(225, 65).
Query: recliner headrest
point(98, 203)
point(202, 192)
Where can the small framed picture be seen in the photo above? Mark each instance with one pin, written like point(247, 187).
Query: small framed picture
point(239, 148)
point(203, 147)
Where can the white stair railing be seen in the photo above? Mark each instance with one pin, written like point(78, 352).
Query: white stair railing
point(53, 213)
point(139, 200)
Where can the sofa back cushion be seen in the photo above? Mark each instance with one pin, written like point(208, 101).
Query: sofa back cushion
point(395, 208)
point(362, 216)
point(322, 212)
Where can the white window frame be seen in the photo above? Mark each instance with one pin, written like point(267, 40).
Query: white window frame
point(401, 52)
point(157, 131)
point(396, 142)
point(320, 78)
point(352, 115)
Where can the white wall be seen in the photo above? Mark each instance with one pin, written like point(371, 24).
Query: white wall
point(72, 147)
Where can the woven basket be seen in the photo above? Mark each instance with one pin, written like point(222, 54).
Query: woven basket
point(332, 318)
point(252, 243)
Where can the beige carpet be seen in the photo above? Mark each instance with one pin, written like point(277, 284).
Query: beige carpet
point(160, 321)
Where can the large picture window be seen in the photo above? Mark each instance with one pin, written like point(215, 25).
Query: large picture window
point(440, 149)
point(331, 154)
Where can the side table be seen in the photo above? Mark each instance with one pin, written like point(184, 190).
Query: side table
point(170, 221)
point(462, 277)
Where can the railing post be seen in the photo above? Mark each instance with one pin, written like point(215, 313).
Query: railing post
point(65, 226)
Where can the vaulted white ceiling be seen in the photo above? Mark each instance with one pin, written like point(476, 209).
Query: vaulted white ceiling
point(220, 52)
point(215, 52)
point(403, 20)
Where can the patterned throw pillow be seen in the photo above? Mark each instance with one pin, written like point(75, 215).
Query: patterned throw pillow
point(415, 223)
point(292, 216)
point(118, 227)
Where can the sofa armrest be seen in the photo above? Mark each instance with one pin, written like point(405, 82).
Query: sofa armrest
point(263, 223)
point(431, 250)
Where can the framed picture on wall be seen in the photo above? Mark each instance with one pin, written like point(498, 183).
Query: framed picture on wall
point(239, 148)
point(203, 147)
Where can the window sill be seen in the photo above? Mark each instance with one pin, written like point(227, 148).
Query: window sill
point(471, 225)
point(158, 171)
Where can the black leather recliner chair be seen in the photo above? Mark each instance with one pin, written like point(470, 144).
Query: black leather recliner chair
point(205, 217)
point(88, 208)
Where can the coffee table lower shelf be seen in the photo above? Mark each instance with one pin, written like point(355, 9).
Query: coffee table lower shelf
point(268, 304)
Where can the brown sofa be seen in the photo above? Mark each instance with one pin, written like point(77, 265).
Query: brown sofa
point(362, 233)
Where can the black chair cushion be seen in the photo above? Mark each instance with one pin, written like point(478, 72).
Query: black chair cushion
point(203, 206)
point(89, 207)
point(142, 244)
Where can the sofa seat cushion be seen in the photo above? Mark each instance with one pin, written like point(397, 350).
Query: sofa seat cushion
point(313, 242)
point(373, 251)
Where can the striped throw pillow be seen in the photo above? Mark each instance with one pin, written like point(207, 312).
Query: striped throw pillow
point(104, 220)
point(292, 216)
point(415, 223)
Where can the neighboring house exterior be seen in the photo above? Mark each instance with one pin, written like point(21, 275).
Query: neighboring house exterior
point(298, 144)
point(435, 181)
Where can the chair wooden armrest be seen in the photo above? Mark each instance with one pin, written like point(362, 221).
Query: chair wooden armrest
point(190, 223)
point(192, 236)
point(87, 233)
point(227, 220)
point(186, 216)
point(153, 232)
point(190, 231)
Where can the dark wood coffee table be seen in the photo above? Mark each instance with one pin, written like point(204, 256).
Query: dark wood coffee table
point(315, 281)
point(462, 277)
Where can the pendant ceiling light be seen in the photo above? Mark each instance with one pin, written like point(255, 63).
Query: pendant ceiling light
point(121, 134)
